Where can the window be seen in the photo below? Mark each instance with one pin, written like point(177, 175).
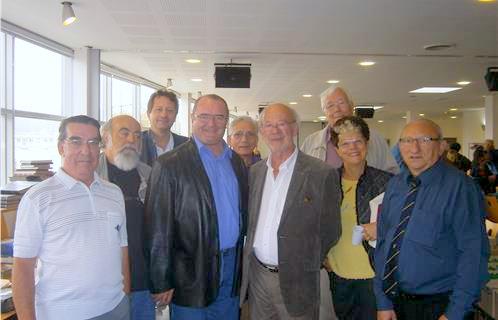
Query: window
point(145, 93)
point(123, 97)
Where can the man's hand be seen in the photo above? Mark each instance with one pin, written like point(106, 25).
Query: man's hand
point(386, 315)
point(163, 298)
point(443, 317)
point(370, 231)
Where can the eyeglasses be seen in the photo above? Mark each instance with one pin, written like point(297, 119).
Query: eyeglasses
point(350, 143)
point(419, 140)
point(204, 117)
point(239, 134)
point(77, 142)
point(281, 125)
point(125, 133)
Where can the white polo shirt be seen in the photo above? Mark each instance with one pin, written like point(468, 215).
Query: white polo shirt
point(272, 206)
point(77, 234)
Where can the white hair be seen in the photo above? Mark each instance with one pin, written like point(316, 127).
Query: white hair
point(240, 119)
point(295, 116)
point(329, 91)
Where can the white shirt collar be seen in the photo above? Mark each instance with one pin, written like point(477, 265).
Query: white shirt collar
point(287, 164)
point(70, 182)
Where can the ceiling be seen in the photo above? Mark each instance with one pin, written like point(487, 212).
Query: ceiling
point(294, 46)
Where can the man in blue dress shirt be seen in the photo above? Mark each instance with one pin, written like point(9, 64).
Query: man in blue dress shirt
point(432, 249)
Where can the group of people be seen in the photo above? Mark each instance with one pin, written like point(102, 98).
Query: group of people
point(136, 220)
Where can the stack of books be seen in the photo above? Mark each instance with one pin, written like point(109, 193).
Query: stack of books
point(33, 170)
point(12, 193)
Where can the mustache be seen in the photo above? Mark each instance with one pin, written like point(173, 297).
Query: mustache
point(129, 147)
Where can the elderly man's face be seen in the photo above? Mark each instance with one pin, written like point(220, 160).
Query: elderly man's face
point(122, 145)
point(243, 138)
point(80, 151)
point(337, 106)
point(420, 147)
point(279, 128)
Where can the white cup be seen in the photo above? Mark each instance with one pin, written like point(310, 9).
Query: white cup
point(357, 235)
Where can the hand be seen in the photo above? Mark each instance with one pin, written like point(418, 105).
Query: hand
point(386, 315)
point(163, 298)
point(326, 265)
point(443, 317)
point(370, 231)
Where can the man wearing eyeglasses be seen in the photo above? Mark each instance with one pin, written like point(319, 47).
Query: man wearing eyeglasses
point(243, 138)
point(432, 249)
point(120, 164)
point(71, 229)
point(293, 222)
point(196, 210)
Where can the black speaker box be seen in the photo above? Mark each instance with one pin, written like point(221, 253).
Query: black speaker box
point(232, 76)
point(365, 113)
point(492, 78)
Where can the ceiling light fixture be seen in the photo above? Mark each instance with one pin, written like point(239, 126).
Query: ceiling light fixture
point(453, 117)
point(368, 106)
point(380, 121)
point(196, 79)
point(463, 83)
point(366, 63)
point(333, 81)
point(322, 118)
point(307, 95)
point(403, 117)
point(453, 109)
point(435, 89)
point(293, 102)
point(486, 1)
point(68, 16)
point(193, 60)
point(169, 83)
point(421, 114)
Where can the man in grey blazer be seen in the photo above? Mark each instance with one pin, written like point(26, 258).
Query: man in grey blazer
point(294, 219)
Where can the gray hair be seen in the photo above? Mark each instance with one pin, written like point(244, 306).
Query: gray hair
point(240, 119)
point(106, 129)
point(295, 116)
point(329, 91)
point(83, 119)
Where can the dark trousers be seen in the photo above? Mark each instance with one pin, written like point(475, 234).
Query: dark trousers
point(417, 307)
point(353, 299)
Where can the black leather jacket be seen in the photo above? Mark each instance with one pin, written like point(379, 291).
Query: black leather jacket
point(149, 151)
point(371, 183)
point(182, 227)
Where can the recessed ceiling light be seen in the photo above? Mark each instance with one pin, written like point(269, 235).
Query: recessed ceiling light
point(421, 114)
point(380, 121)
point(453, 109)
point(368, 107)
point(453, 117)
point(486, 1)
point(435, 89)
point(366, 63)
point(322, 118)
point(333, 81)
point(293, 102)
point(404, 117)
point(316, 121)
point(307, 95)
point(193, 60)
point(196, 79)
point(463, 83)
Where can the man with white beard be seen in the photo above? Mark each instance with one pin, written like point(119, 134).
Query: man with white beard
point(120, 164)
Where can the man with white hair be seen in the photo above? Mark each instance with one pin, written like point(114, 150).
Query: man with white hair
point(120, 164)
point(336, 104)
point(243, 139)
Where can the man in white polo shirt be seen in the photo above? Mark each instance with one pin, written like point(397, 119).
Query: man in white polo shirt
point(71, 228)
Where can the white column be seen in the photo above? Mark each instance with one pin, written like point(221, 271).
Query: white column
point(410, 116)
point(86, 82)
point(491, 116)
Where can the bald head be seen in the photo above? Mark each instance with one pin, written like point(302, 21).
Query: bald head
point(278, 126)
point(121, 135)
point(336, 104)
point(420, 145)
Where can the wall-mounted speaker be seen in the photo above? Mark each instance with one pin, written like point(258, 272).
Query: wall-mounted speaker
point(491, 78)
point(232, 75)
point(364, 112)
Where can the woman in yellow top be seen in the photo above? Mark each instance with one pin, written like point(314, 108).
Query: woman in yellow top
point(351, 266)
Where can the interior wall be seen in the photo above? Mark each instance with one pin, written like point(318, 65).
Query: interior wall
point(472, 126)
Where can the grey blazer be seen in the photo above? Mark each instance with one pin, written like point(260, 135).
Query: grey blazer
point(309, 227)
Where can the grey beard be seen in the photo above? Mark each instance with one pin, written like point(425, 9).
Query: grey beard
point(127, 159)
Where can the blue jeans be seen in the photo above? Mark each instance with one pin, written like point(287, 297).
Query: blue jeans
point(224, 307)
point(142, 306)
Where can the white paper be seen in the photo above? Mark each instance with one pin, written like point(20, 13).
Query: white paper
point(374, 210)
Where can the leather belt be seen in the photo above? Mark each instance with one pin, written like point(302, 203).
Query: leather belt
point(422, 297)
point(273, 269)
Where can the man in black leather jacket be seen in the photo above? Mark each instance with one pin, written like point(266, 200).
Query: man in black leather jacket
point(196, 211)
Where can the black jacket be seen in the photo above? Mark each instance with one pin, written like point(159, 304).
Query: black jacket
point(182, 227)
point(149, 152)
point(371, 183)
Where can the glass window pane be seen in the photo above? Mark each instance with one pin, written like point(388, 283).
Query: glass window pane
point(122, 97)
point(37, 81)
point(103, 98)
point(145, 93)
point(36, 139)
